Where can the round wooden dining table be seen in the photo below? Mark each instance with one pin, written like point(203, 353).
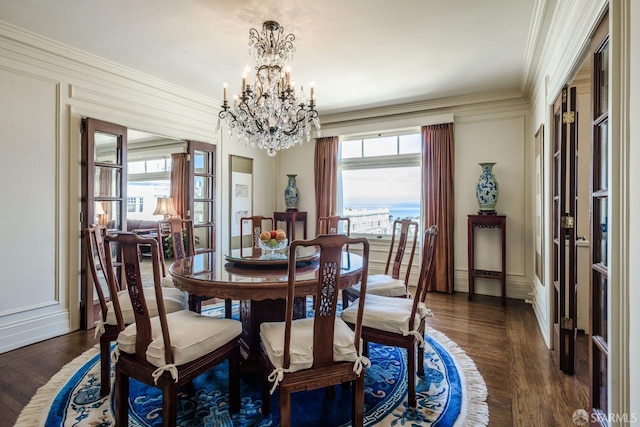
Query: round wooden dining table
point(258, 282)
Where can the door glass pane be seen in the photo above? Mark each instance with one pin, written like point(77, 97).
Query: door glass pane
point(107, 148)
point(111, 217)
point(600, 254)
point(202, 237)
point(201, 161)
point(601, 293)
point(202, 186)
point(602, 148)
point(603, 80)
point(603, 387)
point(107, 182)
point(201, 212)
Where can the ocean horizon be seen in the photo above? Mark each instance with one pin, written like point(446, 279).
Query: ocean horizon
point(396, 211)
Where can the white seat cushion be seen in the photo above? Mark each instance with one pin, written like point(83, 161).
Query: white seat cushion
point(386, 313)
point(272, 336)
point(381, 284)
point(167, 282)
point(174, 300)
point(192, 336)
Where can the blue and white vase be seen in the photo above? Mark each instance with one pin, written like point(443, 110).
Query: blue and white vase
point(487, 189)
point(291, 195)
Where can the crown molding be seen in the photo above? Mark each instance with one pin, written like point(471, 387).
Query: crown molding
point(36, 49)
point(533, 48)
point(418, 108)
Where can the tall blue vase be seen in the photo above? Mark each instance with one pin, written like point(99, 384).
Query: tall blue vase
point(487, 189)
point(291, 195)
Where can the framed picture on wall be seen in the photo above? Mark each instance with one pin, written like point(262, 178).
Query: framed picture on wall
point(539, 222)
point(240, 193)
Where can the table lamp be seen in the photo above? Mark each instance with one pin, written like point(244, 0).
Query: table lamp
point(164, 206)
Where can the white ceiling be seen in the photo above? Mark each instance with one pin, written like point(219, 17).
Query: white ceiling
point(360, 53)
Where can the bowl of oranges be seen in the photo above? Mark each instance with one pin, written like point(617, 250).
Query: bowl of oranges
point(273, 244)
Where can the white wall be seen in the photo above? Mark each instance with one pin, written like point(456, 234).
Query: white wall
point(493, 137)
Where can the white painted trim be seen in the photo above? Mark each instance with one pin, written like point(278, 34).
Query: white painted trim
point(619, 195)
point(29, 331)
point(518, 287)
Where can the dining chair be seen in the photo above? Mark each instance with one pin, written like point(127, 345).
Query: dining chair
point(390, 283)
point(319, 351)
point(171, 349)
point(116, 313)
point(177, 241)
point(400, 322)
point(259, 224)
point(331, 225)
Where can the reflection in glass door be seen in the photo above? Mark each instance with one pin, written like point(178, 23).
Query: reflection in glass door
point(104, 162)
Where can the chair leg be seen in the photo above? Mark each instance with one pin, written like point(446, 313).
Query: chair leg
point(266, 396)
point(234, 381)
point(121, 387)
point(345, 300)
point(357, 401)
point(331, 392)
point(105, 367)
point(227, 308)
point(411, 373)
point(420, 361)
point(169, 405)
point(285, 408)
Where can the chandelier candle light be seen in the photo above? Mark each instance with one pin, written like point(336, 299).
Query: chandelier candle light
point(267, 112)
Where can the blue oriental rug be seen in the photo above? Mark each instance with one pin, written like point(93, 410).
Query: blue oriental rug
point(451, 393)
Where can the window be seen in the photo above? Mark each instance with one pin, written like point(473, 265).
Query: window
point(380, 181)
point(135, 204)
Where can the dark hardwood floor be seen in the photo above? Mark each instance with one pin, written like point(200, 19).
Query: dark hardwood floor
point(525, 387)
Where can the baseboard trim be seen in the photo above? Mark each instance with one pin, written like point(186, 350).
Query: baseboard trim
point(29, 331)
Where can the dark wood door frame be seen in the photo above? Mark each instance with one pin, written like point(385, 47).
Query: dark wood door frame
point(564, 241)
point(89, 307)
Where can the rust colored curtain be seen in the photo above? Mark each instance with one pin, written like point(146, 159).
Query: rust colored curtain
point(326, 175)
point(179, 177)
point(438, 196)
point(105, 178)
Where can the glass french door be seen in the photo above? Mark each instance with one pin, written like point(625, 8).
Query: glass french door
point(599, 345)
point(202, 194)
point(564, 235)
point(104, 191)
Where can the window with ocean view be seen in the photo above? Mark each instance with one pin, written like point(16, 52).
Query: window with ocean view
point(380, 181)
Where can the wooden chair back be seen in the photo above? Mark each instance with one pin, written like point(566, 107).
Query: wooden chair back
point(182, 236)
point(406, 228)
point(259, 224)
point(97, 263)
point(427, 267)
point(331, 225)
point(331, 249)
point(129, 244)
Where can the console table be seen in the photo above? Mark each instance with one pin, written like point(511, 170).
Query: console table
point(487, 221)
point(291, 217)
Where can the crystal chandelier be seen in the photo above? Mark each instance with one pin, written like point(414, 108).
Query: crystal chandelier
point(267, 112)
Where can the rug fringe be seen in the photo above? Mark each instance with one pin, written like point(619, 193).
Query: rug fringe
point(477, 410)
point(34, 414)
